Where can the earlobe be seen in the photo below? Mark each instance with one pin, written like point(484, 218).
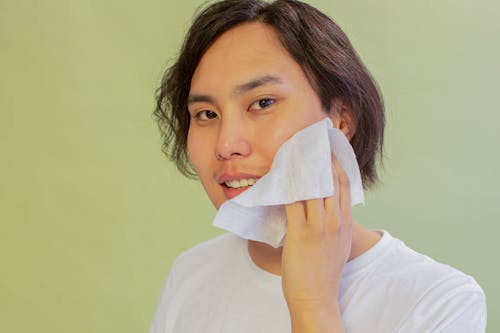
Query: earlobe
point(342, 118)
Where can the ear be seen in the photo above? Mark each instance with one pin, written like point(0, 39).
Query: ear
point(342, 118)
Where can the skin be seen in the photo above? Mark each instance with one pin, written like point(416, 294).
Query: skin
point(247, 97)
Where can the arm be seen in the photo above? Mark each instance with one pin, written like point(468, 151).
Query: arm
point(320, 319)
point(316, 248)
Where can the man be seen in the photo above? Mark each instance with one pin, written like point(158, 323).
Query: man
point(249, 76)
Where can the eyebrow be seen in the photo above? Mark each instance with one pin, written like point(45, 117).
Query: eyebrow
point(239, 89)
point(255, 83)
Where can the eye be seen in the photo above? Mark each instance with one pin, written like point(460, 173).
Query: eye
point(262, 104)
point(206, 115)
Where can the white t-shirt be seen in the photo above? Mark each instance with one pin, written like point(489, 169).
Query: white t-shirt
point(215, 287)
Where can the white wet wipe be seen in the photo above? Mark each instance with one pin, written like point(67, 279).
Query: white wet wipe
point(301, 170)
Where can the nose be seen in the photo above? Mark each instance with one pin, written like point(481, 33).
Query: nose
point(233, 140)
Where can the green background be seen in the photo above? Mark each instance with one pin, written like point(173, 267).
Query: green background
point(92, 215)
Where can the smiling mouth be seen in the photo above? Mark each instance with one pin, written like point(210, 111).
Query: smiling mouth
point(240, 183)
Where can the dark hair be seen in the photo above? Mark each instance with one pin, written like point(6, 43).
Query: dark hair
point(316, 43)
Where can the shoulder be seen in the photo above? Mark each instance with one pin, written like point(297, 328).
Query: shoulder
point(436, 295)
point(423, 273)
point(406, 291)
point(209, 256)
point(218, 246)
point(189, 276)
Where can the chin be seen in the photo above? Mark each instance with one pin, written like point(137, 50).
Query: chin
point(218, 201)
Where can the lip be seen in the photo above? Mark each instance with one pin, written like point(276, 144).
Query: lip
point(230, 192)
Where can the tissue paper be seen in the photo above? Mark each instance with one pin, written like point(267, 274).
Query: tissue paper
point(301, 170)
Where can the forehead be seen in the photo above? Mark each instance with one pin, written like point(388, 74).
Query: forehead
point(242, 53)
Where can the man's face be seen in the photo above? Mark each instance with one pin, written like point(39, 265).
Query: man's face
point(247, 97)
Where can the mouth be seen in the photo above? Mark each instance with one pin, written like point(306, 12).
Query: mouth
point(234, 187)
point(240, 183)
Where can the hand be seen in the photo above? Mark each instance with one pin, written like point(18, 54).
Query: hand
point(316, 248)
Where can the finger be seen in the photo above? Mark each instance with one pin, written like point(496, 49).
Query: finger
point(315, 212)
point(344, 186)
point(295, 214)
point(332, 204)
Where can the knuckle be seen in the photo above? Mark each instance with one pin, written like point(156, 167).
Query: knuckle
point(334, 227)
point(344, 179)
point(317, 230)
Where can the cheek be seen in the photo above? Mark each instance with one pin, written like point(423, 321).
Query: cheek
point(196, 152)
point(273, 134)
point(269, 137)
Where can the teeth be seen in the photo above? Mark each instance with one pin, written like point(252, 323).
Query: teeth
point(241, 183)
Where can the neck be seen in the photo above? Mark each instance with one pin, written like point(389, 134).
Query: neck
point(268, 258)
